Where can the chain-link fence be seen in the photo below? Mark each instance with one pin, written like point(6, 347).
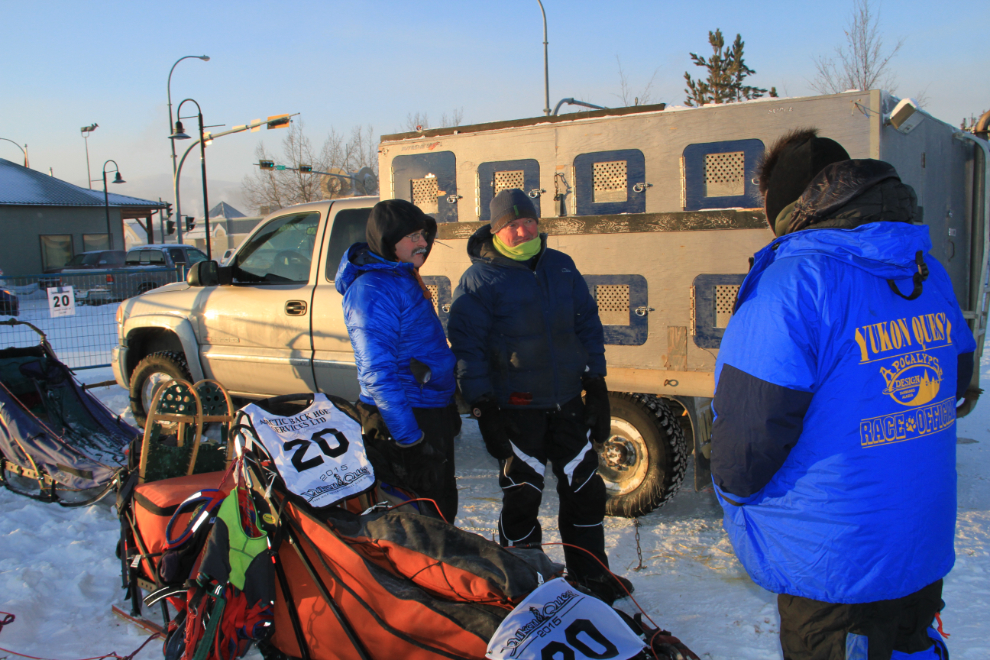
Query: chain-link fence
point(79, 317)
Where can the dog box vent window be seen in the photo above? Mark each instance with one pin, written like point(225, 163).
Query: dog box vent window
point(432, 288)
point(613, 303)
point(507, 180)
point(610, 182)
point(720, 175)
point(424, 193)
point(725, 300)
point(725, 174)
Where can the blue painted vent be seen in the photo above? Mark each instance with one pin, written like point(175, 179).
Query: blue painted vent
point(721, 175)
point(714, 298)
point(498, 175)
point(439, 286)
point(429, 181)
point(619, 297)
point(608, 182)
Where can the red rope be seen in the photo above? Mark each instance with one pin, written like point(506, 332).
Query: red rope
point(938, 617)
point(9, 618)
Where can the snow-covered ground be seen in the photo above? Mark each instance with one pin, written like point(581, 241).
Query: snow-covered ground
point(59, 575)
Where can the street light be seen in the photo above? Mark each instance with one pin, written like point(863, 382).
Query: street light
point(275, 121)
point(86, 130)
point(106, 197)
point(23, 149)
point(179, 134)
point(171, 127)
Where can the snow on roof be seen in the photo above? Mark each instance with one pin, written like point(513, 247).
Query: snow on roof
point(20, 186)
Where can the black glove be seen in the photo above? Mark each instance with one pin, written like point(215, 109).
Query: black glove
point(485, 410)
point(597, 410)
point(417, 466)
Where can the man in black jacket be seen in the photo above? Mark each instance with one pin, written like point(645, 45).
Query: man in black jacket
point(527, 337)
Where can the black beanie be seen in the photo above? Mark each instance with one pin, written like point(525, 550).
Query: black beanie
point(790, 165)
point(508, 205)
point(393, 219)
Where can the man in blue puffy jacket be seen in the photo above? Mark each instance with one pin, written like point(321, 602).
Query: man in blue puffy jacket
point(527, 337)
point(833, 445)
point(405, 368)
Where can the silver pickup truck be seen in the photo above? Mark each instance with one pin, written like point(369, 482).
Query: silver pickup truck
point(657, 208)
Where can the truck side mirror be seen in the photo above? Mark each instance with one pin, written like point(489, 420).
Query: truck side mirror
point(204, 273)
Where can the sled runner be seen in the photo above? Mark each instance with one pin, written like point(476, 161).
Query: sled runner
point(53, 432)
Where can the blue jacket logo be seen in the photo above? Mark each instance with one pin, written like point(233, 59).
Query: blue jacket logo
point(914, 379)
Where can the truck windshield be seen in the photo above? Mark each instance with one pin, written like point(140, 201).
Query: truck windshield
point(281, 252)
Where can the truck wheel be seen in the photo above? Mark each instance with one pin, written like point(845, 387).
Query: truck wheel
point(644, 460)
point(149, 374)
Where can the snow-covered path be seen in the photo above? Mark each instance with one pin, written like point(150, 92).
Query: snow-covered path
point(59, 575)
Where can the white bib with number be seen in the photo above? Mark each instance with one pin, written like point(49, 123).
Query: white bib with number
point(318, 452)
point(557, 621)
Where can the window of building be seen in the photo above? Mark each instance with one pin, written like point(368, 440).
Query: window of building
point(56, 250)
point(95, 242)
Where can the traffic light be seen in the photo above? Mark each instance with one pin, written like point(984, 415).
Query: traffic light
point(278, 121)
point(306, 168)
point(266, 164)
point(168, 211)
point(190, 222)
point(170, 227)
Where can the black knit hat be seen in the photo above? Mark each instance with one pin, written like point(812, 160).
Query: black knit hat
point(791, 163)
point(393, 219)
point(508, 205)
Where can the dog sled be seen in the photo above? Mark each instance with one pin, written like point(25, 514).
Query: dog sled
point(343, 567)
point(58, 443)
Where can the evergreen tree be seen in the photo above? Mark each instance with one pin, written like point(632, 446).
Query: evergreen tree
point(726, 72)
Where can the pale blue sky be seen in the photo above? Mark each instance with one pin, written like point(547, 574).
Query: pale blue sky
point(340, 64)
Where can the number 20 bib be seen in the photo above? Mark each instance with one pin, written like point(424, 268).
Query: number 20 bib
point(318, 452)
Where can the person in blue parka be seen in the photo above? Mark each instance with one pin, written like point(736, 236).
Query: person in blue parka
point(833, 445)
point(404, 365)
point(528, 339)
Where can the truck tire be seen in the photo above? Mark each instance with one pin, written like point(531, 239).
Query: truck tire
point(153, 370)
point(644, 460)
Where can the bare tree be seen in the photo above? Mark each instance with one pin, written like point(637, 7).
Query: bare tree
point(863, 62)
point(626, 94)
point(420, 121)
point(277, 189)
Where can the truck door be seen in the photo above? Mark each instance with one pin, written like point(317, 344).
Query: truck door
point(333, 359)
point(255, 334)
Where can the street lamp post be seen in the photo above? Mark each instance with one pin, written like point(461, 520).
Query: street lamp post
point(24, 151)
point(180, 135)
point(106, 197)
point(86, 130)
point(546, 71)
point(171, 130)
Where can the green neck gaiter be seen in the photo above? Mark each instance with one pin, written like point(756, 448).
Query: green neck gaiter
point(522, 252)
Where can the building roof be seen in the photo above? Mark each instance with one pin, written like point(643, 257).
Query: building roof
point(225, 210)
point(20, 186)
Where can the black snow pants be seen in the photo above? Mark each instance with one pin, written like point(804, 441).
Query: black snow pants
point(439, 426)
point(815, 630)
point(561, 437)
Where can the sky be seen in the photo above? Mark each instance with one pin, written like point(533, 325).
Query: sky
point(340, 65)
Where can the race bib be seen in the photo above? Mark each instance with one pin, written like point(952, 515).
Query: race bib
point(318, 452)
point(558, 622)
